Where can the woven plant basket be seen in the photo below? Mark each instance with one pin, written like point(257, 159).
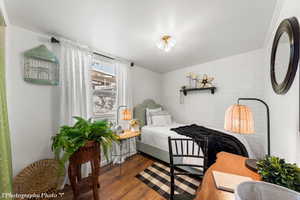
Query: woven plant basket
point(39, 177)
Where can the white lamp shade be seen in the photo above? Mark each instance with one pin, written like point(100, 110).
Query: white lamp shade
point(239, 119)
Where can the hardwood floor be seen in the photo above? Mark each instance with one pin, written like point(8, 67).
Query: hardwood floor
point(124, 187)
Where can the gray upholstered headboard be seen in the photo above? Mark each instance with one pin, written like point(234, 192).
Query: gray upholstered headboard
point(139, 111)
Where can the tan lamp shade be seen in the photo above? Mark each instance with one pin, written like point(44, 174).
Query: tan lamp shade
point(239, 119)
point(127, 114)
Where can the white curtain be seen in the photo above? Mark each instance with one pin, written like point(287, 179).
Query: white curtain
point(124, 84)
point(124, 87)
point(75, 85)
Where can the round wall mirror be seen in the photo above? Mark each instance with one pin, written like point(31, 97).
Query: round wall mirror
point(282, 58)
point(285, 55)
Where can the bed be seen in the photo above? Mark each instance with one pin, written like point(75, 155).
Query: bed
point(154, 139)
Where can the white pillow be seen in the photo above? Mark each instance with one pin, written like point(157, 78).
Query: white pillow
point(148, 114)
point(161, 120)
point(163, 112)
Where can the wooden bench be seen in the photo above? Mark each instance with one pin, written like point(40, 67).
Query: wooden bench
point(229, 163)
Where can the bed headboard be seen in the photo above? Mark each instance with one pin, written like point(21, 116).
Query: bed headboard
point(139, 111)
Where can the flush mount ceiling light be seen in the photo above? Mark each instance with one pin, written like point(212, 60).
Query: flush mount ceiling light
point(166, 43)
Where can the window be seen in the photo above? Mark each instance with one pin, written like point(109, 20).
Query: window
point(104, 88)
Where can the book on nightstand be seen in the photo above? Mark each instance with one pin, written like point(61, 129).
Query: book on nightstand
point(228, 182)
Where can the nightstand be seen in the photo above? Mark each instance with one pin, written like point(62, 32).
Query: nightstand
point(124, 138)
point(129, 134)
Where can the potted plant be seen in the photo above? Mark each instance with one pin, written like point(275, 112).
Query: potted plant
point(84, 134)
point(275, 170)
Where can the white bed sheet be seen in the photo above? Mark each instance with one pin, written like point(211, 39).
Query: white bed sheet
point(158, 137)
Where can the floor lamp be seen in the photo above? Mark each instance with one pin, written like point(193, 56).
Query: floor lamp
point(239, 119)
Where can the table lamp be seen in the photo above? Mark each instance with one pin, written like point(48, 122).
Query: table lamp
point(125, 115)
point(239, 119)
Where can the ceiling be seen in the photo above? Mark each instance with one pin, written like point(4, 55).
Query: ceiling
point(205, 30)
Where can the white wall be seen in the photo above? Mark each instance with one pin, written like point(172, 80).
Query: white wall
point(243, 75)
point(285, 139)
point(34, 109)
point(146, 84)
point(237, 76)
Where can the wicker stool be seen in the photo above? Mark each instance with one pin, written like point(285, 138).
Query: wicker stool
point(88, 153)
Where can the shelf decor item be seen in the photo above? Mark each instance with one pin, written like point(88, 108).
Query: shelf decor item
point(205, 82)
point(41, 66)
point(189, 77)
point(195, 78)
point(196, 84)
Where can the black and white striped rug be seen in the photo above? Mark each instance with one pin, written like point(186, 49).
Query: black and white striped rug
point(157, 177)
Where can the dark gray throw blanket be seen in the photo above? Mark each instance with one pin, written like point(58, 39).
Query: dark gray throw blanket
point(217, 141)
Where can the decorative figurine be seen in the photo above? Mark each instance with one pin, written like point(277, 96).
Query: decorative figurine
point(206, 81)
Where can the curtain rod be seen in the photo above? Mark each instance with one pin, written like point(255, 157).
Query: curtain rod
point(54, 40)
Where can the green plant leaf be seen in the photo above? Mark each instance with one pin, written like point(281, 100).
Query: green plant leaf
point(71, 138)
point(277, 171)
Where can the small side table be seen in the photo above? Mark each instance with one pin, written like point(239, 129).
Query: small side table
point(123, 138)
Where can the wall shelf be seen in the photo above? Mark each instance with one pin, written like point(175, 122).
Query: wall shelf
point(186, 90)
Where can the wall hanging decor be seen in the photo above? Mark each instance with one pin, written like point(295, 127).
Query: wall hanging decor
point(199, 85)
point(285, 55)
point(41, 66)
